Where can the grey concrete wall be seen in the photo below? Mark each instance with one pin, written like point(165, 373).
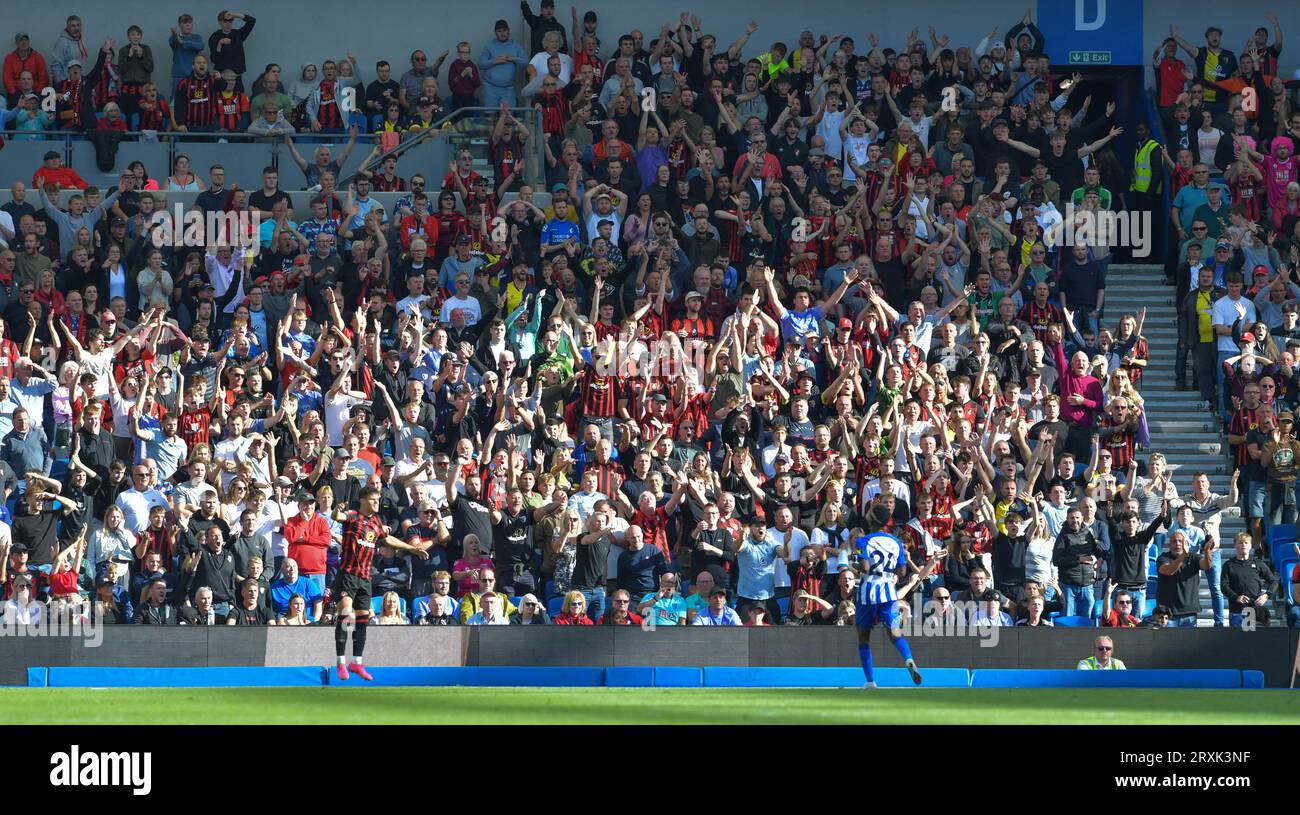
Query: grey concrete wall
point(1271, 651)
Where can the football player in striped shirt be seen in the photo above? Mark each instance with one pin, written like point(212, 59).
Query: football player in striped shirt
point(881, 561)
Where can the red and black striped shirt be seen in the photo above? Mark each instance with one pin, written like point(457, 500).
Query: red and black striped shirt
point(607, 476)
point(381, 183)
point(194, 427)
point(600, 393)
point(231, 110)
point(156, 118)
point(361, 535)
point(196, 101)
point(1120, 443)
point(328, 113)
point(1040, 317)
point(1243, 421)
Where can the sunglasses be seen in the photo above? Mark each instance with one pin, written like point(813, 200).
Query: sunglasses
point(1105, 648)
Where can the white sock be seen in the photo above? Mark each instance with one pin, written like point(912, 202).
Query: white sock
point(342, 660)
point(359, 661)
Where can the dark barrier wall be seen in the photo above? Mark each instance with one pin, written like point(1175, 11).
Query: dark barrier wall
point(1270, 650)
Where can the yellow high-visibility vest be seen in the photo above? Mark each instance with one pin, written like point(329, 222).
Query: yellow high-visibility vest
point(1142, 178)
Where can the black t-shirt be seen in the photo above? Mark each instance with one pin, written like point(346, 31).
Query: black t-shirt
point(260, 200)
point(469, 516)
point(701, 560)
point(1180, 591)
point(258, 616)
point(510, 543)
point(36, 532)
point(591, 564)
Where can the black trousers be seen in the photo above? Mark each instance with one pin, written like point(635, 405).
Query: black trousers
point(1205, 358)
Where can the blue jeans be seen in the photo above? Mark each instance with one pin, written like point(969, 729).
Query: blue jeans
point(1215, 573)
point(1186, 621)
point(595, 597)
point(1235, 619)
point(494, 96)
point(318, 580)
point(1078, 600)
point(1293, 616)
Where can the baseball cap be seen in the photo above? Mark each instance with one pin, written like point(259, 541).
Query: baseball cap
point(658, 397)
point(816, 151)
point(589, 17)
point(74, 63)
point(1286, 416)
point(1247, 336)
point(992, 595)
point(424, 100)
point(304, 495)
point(463, 240)
point(20, 36)
point(845, 322)
point(501, 25)
point(1000, 123)
point(1222, 245)
point(1261, 269)
point(718, 590)
point(691, 294)
point(282, 481)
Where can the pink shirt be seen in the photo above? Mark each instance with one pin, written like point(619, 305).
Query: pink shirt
point(470, 583)
point(1277, 175)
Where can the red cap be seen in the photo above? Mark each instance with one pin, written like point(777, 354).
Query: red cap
point(845, 322)
point(1247, 337)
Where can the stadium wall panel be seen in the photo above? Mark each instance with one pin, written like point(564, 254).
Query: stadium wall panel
point(1269, 651)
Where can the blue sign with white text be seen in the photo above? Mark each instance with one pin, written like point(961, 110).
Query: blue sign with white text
point(1092, 32)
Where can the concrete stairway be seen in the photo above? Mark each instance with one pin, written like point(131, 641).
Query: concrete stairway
point(1187, 436)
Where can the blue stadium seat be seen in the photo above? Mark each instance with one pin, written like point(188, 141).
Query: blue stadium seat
point(1279, 540)
point(1148, 607)
point(1097, 608)
point(1073, 622)
point(555, 605)
point(548, 589)
point(783, 603)
point(1152, 583)
point(515, 601)
point(1153, 552)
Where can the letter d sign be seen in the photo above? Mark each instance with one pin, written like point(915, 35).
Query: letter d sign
point(1081, 24)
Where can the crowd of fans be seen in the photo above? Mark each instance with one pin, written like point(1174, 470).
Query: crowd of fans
point(782, 295)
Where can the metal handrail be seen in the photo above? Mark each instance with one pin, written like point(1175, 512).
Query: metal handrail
point(441, 126)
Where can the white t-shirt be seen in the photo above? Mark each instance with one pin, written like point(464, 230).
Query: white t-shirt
point(101, 365)
point(473, 312)
point(336, 415)
point(855, 149)
point(230, 450)
point(538, 63)
point(1224, 312)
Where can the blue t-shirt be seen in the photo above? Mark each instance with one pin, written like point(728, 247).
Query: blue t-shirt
point(796, 324)
point(557, 231)
point(282, 592)
point(667, 610)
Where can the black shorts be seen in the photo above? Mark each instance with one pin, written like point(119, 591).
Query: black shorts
point(354, 587)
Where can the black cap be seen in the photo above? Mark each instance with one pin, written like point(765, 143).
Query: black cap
point(18, 548)
point(1000, 123)
point(501, 24)
point(463, 240)
point(718, 590)
point(304, 495)
point(548, 4)
point(992, 596)
point(589, 17)
point(658, 397)
point(104, 581)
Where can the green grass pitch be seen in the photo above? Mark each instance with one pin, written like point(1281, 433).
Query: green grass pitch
point(461, 705)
